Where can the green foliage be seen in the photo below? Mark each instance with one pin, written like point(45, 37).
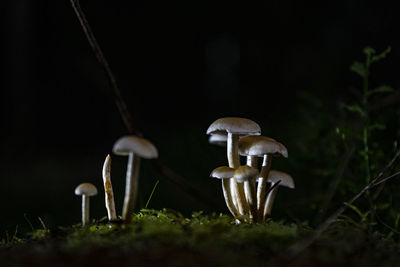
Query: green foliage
point(364, 128)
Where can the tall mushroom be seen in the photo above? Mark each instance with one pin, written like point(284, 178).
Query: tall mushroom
point(86, 190)
point(234, 127)
point(108, 190)
point(261, 146)
point(135, 148)
point(246, 175)
point(273, 177)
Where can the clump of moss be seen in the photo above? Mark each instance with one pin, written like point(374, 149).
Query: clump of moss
point(166, 238)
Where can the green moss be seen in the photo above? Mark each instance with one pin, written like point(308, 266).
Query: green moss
point(168, 238)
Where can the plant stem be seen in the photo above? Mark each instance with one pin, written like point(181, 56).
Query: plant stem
point(366, 120)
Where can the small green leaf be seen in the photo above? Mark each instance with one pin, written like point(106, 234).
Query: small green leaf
point(356, 109)
point(359, 68)
point(380, 89)
point(363, 216)
point(377, 126)
point(381, 55)
point(383, 206)
point(369, 51)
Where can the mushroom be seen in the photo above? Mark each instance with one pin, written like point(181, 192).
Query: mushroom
point(246, 175)
point(273, 177)
point(108, 190)
point(234, 127)
point(226, 173)
point(261, 146)
point(86, 190)
point(136, 148)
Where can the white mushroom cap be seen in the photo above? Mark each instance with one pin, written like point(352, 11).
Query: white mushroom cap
point(261, 145)
point(218, 139)
point(86, 189)
point(223, 172)
point(234, 125)
point(245, 173)
point(286, 180)
point(137, 145)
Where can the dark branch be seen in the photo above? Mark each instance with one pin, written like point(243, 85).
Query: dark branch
point(124, 112)
point(119, 101)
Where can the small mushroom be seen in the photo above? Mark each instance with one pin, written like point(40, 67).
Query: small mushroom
point(86, 190)
point(247, 175)
point(108, 190)
point(225, 173)
point(273, 177)
point(261, 146)
point(234, 127)
point(135, 147)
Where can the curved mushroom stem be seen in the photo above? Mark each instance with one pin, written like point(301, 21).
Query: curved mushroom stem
point(237, 189)
point(109, 194)
point(130, 187)
point(269, 201)
point(85, 210)
point(226, 189)
point(250, 189)
point(262, 184)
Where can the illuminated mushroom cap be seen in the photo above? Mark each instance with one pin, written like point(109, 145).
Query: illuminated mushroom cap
point(286, 180)
point(234, 125)
point(261, 145)
point(137, 145)
point(86, 189)
point(223, 172)
point(245, 173)
point(218, 139)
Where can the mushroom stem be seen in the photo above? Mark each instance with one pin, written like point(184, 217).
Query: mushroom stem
point(262, 184)
point(226, 189)
point(109, 194)
point(85, 210)
point(250, 189)
point(237, 189)
point(130, 187)
point(269, 201)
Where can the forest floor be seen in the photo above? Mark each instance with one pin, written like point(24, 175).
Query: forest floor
point(166, 238)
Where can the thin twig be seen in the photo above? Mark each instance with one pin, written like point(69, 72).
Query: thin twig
point(305, 243)
point(42, 223)
point(385, 179)
point(124, 112)
point(119, 101)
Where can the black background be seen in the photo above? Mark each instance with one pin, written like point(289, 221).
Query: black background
point(180, 65)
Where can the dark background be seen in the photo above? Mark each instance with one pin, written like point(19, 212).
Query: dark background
point(180, 65)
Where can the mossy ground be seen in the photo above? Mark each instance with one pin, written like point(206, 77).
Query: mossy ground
point(166, 238)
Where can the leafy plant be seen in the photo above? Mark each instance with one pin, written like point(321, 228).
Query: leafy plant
point(363, 128)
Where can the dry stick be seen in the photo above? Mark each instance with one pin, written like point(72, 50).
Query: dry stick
point(335, 182)
point(124, 112)
point(119, 101)
point(42, 223)
point(305, 243)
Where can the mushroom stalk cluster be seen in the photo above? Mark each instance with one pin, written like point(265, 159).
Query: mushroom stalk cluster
point(244, 187)
point(135, 148)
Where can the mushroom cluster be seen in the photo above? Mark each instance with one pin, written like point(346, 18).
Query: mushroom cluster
point(135, 148)
point(245, 187)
